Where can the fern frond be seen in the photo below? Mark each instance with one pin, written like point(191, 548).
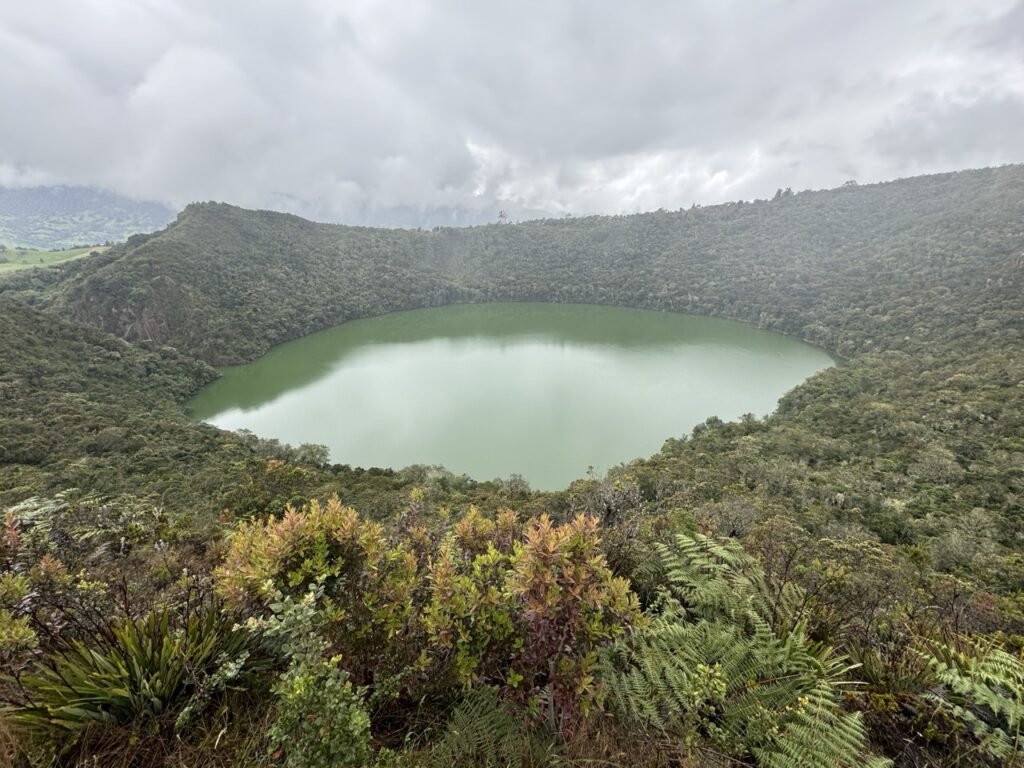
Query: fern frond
point(485, 731)
point(709, 671)
point(983, 687)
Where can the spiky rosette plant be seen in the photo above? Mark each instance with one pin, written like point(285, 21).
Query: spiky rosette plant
point(163, 667)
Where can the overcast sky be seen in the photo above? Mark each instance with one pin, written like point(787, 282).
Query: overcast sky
point(376, 111)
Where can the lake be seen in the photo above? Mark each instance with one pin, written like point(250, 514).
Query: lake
point(540, 390)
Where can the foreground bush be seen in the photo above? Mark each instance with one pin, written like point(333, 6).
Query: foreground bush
point(367, 579)
point(525, 607)
point(320, 720)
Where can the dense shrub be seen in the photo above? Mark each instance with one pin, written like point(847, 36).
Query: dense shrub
point(320, 720)
point(367, 579)
point(526, 607)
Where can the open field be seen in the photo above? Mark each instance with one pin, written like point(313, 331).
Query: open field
point(25, 258)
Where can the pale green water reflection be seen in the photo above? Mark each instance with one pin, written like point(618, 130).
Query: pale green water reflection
point(542, 390)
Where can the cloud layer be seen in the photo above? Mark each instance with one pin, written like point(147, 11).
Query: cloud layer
point(405, 113)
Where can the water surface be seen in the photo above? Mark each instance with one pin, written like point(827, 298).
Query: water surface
point(540, 390)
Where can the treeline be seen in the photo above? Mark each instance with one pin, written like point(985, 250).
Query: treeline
point(840, 580)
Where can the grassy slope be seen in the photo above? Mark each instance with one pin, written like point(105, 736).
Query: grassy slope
point(27, 258)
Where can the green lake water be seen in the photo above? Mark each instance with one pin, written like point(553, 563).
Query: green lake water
point(540, 390)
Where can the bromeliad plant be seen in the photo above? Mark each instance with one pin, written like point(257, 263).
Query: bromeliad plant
point(165, 667)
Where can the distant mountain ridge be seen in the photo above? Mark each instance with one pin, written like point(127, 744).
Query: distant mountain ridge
point(833, 267)
point(65, 216)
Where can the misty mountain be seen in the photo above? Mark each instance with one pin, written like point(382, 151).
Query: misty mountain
point(63, 216)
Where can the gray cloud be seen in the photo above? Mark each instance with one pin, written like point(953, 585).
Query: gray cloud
point(375, 112)
point(931, 130)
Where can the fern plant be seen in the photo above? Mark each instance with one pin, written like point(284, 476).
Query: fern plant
point(983, 687)
point(710, 672)
point(485, 731)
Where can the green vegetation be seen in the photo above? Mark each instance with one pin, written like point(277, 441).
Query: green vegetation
point(874, 267)
point(320, 719)
point(837, 584)
point(710, 669)
point(137, 671)
point(26, 258)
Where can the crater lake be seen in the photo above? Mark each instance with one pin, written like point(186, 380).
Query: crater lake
point(544, 391)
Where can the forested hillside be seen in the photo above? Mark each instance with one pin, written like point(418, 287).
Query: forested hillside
point(854, 269)
point(840, 582)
